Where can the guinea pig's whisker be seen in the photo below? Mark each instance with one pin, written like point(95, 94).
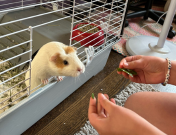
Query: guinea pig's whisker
point(79, 79)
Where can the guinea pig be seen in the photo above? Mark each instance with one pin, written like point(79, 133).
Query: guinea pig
point(54, 59)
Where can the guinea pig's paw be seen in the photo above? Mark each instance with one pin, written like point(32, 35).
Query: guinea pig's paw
point(59, 78)
point(44, 81)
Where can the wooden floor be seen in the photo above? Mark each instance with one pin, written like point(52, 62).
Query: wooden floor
point(70, 115)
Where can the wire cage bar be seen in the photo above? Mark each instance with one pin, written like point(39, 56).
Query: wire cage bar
point(26, 25)
point(112, 17)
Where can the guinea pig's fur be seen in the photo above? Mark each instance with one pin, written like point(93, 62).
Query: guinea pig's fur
point(54, 59)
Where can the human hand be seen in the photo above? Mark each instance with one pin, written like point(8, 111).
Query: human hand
point(109, 119)
point(104, 117)
point(150, 69)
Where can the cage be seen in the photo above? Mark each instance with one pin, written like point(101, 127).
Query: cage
point(93, 26)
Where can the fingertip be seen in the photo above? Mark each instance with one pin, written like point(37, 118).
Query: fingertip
point(125, 64)
point(113, 100)
point(121, 63)
point(106, 95)
point(101, 95)
point(92, 99)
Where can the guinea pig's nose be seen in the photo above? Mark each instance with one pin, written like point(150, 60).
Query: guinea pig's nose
point(79, 70)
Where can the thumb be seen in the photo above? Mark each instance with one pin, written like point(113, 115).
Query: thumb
point(105, 103)
point(134, 64)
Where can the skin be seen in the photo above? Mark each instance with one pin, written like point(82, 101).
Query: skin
point(150, 69)
point(145, 112)
point(147, 71)
point(109, 119)
point(158, 108)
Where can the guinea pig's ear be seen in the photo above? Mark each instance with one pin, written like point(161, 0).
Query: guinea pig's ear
point(54, 57)
point(70, 49)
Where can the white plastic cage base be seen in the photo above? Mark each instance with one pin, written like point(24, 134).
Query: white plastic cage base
point(146, 45)
point(20, 117)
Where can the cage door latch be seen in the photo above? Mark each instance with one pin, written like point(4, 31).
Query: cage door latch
point(104, 26)
point(90, 54)
point(55, 6)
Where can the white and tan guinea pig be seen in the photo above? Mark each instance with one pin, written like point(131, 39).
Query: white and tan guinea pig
point(54, 59)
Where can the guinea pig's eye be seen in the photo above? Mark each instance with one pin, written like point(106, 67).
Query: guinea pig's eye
point(65, 62)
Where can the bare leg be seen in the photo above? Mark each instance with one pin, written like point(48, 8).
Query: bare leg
point(159, 108)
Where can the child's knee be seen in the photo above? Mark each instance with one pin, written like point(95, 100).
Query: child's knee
point(133, 100)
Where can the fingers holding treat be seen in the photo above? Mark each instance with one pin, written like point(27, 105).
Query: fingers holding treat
point(100, 110)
